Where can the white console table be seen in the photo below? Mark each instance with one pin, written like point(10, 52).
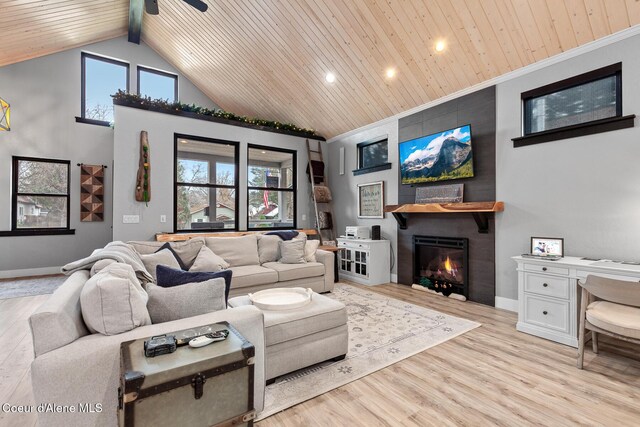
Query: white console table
point(364, 261)
point(548, 297)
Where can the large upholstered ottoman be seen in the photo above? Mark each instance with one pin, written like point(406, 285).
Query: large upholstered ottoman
point(304, 336)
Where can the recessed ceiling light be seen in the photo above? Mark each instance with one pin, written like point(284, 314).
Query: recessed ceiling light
point(391, 72)
point(330, 77)
point(440, 45)
point(184, 141)
point(263, 152)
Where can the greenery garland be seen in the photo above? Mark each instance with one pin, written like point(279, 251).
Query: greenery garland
point(192, 108)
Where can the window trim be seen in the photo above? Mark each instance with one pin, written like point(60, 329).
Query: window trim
point(375, 168)
point(15, 231)
point(236, 186)
point(579, 129)
point(83, 84)
point(293, 189)
point(160, 73)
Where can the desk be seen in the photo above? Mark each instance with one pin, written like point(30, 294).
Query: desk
point(548, 304)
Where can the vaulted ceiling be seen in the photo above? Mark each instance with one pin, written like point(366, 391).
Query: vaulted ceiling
point(269, 58)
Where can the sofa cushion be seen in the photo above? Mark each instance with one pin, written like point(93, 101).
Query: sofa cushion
point(187, 250)
point(617, 318)
point(268, 248)
point(163, 257)
point(180, 302)
point(296, 271)
point(58, 321)
point(321, 314)
point(252, 275)
point(237, 251)
point(208, 261)
point(292, 252)
point(169, 277)
point(113, 301)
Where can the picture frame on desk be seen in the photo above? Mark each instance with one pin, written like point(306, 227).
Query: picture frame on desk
point(547, 246)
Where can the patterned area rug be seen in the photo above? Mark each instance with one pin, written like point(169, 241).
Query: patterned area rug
point(382, 331)
point(29, 287)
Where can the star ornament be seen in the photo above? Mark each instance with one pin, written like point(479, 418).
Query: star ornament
point(5, 111)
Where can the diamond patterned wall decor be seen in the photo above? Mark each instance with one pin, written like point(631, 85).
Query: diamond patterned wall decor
point(5, 112)
point(91, 193)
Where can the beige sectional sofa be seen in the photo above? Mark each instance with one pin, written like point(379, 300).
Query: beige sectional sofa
point(73, 366)
point(253, 260)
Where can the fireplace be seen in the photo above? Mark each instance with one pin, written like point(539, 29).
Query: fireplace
point(441, 264)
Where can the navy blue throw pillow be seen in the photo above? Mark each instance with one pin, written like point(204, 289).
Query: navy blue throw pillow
point(168, 246)
point(168, 277)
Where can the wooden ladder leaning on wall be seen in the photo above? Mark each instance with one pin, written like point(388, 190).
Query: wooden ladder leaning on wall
point(321, 195)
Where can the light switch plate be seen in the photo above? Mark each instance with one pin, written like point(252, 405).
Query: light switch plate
point(130, 219)
point(163, 218)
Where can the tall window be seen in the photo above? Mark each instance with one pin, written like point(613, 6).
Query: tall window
point(40, 194)
point(101, 78)
point(271, 188)
point(206, 175)
point(157, 84)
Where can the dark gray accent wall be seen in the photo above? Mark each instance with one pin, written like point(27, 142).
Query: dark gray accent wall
point(477, 109)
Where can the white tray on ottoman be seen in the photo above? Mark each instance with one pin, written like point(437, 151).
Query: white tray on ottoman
point(281, 298)
point(301, 337)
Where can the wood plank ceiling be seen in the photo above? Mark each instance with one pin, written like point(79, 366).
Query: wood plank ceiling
point(269, 58)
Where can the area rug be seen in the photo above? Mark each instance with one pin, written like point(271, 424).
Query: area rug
point(30, 287)
point(382, 331)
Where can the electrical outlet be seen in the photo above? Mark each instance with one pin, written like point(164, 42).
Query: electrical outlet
point(163, 218)
point(130, 219)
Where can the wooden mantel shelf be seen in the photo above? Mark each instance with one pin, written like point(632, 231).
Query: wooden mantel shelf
point(479, 210)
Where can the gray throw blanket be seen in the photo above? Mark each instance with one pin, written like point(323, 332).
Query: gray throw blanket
point(117, 251)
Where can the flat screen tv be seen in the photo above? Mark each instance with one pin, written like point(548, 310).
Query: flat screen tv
point(438, 157)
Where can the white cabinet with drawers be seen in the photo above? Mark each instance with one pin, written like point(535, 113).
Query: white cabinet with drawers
point(364, 261)
point(548, 295)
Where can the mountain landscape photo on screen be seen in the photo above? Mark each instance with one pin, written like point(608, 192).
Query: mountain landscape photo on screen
point(438, 157)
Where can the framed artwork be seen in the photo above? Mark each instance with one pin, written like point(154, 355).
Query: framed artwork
point(371, 200)
point(551, 246)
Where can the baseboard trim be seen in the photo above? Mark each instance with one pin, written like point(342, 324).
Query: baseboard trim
point(507, 304)
point(394, 278)
point(43, 271)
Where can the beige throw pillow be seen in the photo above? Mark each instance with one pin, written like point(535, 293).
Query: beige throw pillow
point(268, 248)
point(292, 252)
point(180, 302)
point(208, 261)
point(310, 248)
point(113, 301)
point(163, 257)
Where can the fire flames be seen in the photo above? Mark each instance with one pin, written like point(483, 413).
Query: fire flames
point(448, 266)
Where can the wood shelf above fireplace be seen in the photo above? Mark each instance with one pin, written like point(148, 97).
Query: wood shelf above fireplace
point(479, 211)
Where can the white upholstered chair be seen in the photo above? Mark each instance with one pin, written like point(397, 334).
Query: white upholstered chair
point(610, 307)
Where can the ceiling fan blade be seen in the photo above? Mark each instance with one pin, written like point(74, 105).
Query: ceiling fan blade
point(151, 6)
point(198, 4)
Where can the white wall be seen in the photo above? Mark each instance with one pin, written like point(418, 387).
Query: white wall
point(44, 94)
point(585, 189)
point(161, 129)
point(344, 187)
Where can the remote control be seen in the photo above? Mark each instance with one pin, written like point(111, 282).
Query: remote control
point(208, 339)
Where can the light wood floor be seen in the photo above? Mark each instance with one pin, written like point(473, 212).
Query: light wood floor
point(492, 375)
